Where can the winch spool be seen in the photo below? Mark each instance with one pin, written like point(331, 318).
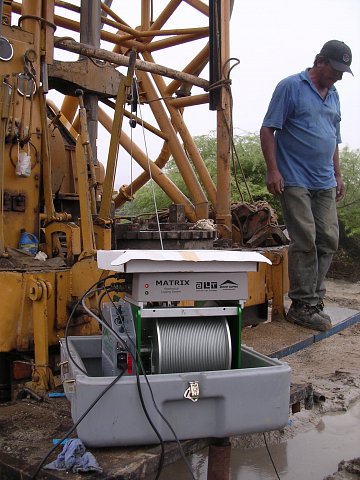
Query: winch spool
point(191, 345)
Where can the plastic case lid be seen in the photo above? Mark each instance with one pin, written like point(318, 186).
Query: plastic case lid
point(137, 261)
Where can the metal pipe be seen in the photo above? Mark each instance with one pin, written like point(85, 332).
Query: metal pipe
point(69, 108)
point(156, 174)
point(119, 59)
point(108, 186)
point(90, 34)
point(145, 14)
point(178, 122)
point(219, 460)
point(223, 214)
point(190, 101)
point(201, 59)
point(1, 12)
point(195, 190)
point(165, 14)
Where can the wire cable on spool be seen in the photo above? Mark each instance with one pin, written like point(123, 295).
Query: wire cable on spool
point(191, 345)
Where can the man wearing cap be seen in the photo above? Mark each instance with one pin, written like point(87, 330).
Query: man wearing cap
point(299, 139)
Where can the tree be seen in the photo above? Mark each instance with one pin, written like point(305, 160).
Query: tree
point(248, 181)
point(349, 207)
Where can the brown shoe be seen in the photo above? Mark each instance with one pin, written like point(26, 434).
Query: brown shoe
point(320, 307)
point(308, 316)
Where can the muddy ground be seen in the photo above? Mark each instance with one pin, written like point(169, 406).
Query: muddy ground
point(332, 366)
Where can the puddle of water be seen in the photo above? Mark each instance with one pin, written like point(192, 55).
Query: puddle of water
point(313, 454)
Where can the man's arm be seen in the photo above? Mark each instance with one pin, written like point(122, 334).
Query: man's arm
point(274, 180)
point(340, 185)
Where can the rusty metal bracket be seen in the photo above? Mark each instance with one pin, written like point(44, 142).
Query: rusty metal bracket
point(39, 292)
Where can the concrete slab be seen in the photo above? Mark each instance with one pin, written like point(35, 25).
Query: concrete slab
point(281, 338)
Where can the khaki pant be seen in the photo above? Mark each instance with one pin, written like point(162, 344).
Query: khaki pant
point(311, 220)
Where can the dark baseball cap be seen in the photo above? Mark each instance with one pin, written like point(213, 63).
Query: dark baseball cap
point(339, 55)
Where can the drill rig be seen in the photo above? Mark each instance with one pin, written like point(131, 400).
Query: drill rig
point(56, 194)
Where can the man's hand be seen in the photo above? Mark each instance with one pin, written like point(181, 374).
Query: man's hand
point(275, 182)
point(340, 188)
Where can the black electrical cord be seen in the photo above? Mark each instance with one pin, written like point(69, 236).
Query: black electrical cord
point(272, 461)
point(100, 299)
point(66, 334)
point(229, 126)
point(82, 370)
point(69, 432)
point(111, 330)
point(90, 291)
point(182, 453)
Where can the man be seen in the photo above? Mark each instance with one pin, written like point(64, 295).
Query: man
point(299, 139)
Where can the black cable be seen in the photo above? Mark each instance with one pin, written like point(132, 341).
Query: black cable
point(182, 453)
point(136, 359)
point(272, 461)
point(88, 292)
point(100, 299)
point(230, 129)
point(82, 299)
point(111, 330)
point(66, 334)
point(69, 432)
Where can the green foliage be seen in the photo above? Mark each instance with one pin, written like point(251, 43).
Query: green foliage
point(248, 169)
point(248, 175)
point(349, 207)
point(147, 201)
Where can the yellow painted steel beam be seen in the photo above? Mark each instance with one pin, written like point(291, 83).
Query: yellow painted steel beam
point(46, 157)
point(164, 16)
point(87, 230)
point(201, 59)
point(69, 108)
point(86, 143)
point(199, 5)
point(102, 236)
point(191, 149)
point(174, 41)
point(138, 120)
point(145, 14)
point(196, 192)
point(108, 186)
point(48, 7)
point(150, 167)
point(192, 101)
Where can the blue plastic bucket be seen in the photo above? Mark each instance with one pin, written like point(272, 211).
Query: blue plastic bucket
point(28, 243)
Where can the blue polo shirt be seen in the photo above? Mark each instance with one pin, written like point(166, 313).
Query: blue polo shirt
point(307, 132)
